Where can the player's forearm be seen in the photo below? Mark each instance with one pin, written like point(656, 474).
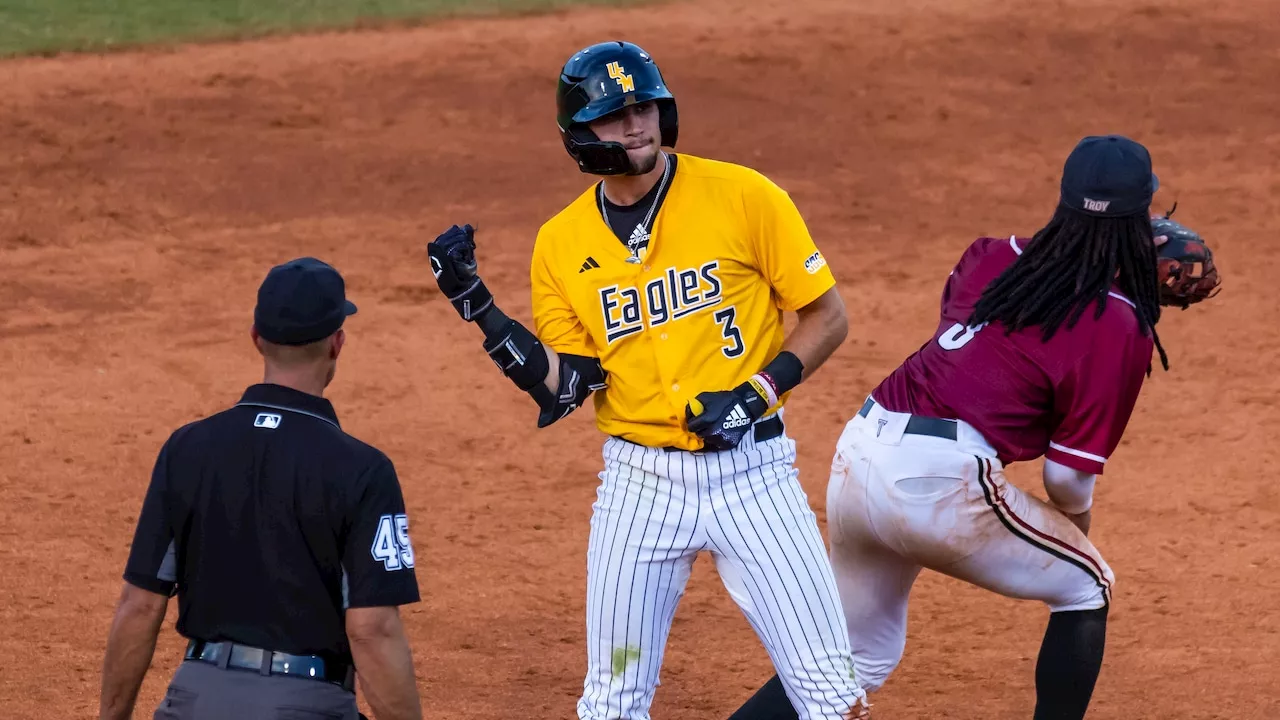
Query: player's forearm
point(1082, 520)
point(1071, 492)
point(130, 646)
point(493, 322)
point(386, 674)
point(559, 385)
point(552, 382)
point(823, 325)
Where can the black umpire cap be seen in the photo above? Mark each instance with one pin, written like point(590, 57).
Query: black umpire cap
point(300, 302)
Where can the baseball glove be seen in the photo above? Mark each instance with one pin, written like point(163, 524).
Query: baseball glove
point(1186, 271)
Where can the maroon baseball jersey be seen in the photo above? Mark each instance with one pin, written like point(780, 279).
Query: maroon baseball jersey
point(1068, 399)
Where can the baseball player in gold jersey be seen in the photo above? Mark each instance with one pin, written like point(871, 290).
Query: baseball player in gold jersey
point(662, 290)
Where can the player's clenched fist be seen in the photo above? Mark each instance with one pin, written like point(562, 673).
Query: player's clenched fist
point(722, 418)
point(453, 262)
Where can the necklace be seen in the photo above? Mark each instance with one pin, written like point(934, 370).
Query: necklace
point(640, 235)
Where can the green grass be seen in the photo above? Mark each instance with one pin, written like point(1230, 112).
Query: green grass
point(50, 26)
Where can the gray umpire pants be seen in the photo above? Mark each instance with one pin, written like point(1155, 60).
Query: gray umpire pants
point(200, 691)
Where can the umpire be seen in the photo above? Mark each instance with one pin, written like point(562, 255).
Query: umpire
point(285, 539)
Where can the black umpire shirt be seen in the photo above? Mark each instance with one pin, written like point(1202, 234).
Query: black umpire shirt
point(269, 521)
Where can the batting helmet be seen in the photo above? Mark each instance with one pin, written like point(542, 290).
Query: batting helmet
point(603, 79)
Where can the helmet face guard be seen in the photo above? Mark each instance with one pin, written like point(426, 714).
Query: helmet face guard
point(600, 80)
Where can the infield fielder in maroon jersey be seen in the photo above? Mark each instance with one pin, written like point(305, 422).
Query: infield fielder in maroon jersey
point(1067, 399)
point(1041, 348)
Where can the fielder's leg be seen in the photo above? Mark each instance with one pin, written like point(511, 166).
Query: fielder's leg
point(1032, 551)
point(933, 504)
point(1069, 663)
point(769, 703)
point(772, 560)
point(643, 541)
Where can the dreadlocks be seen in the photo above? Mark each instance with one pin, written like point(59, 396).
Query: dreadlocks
point(1072, 262)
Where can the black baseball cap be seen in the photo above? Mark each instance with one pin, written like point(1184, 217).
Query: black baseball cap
point(300, 302)
point(1108, 176)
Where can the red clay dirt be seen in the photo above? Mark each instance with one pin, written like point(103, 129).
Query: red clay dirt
point(146, 194)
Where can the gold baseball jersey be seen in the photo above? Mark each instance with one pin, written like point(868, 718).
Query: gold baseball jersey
point(700, 311)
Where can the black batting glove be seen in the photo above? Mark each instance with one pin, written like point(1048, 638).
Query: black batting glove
point(453, 262)
point(722, 418)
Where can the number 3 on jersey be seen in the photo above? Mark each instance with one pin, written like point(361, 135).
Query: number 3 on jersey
point(730, 332)
point(391, 542)
point(958, 335)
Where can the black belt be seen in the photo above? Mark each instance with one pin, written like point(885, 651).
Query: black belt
point(266, 662)
point(761, 431)
point(919, 424)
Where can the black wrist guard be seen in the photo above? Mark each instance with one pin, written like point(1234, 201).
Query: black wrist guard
point(473, 302)
point(515, 350)
point(785, 371)
point(755, 401)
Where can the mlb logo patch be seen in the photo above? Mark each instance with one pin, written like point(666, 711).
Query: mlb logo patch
point(814, 263)
point(269, 421)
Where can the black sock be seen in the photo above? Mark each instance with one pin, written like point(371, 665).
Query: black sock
point(1070, 659)
point(769, 703)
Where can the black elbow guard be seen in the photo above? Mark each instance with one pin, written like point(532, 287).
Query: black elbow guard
point(517, 353)
point(579, 377)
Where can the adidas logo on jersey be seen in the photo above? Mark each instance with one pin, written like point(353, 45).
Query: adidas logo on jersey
point(588, 264)
point(736, 419)
point(639, 238)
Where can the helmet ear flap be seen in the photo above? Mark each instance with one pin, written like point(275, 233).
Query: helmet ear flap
point(668, 122)
point(593, 156)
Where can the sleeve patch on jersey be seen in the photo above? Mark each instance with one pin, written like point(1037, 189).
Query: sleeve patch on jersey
point(814, 262)
point(1078, 453)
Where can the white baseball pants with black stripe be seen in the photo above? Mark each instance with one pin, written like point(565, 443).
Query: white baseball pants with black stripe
point(898, 502)
point(655, 511)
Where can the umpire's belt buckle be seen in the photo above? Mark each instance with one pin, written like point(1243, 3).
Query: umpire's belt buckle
point(244, 657)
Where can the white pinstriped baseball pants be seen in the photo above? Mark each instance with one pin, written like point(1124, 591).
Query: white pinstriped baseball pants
point(655, 511)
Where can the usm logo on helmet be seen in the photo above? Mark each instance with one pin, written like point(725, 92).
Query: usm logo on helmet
point(627, 83)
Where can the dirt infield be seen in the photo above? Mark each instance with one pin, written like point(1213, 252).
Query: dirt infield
point(144, 196)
